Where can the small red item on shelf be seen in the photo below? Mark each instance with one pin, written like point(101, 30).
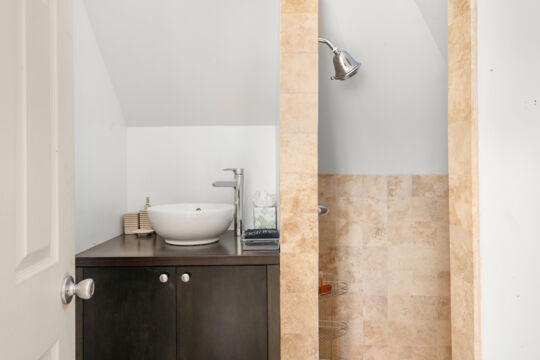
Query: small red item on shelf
point(325, 289)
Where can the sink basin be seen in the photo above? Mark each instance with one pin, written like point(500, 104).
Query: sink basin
point(191, 223)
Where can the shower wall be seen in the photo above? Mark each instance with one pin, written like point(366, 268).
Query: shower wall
point(383, 173)
point(390, 118)
point(387, 237)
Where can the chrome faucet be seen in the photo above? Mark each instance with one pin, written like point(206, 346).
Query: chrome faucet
point(238, 185)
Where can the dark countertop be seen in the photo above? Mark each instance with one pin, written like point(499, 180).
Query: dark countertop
point(129, 250)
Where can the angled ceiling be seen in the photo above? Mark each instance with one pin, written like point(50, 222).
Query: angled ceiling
point(185, 63)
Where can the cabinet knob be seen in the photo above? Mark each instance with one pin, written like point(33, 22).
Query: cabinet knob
point(163, 278)
point(185, 277)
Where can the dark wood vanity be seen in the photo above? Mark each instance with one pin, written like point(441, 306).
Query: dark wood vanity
point(158, 301)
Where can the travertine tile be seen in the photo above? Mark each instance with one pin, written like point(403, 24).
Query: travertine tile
point(460, 100)
point(444, 308)
point(417, 257)
point(299, 233)
point(443, 283)
point(327, 233)
point(417, 232)
point(298, 346)
point(301, 272)
point(391, 244)
point(362, 186)
point(350, 233)
point(328, 186)
point(444, 331)
point(426, 233)
point(375, 186)
point(413, 307)
point(462, 253)
point(297, 195)
point(375, 210)
point(299, 32)
point(459, 149)
point(461, 211)
point(346, 307)
point(376, 333)
point(399, 187)
point(350, 209)
point(444, 353)
point(375, 308)
point(299, 6)
point(458, 8)
point(298, 154)
point(387, 353)
point(463, 345)
point(459, 44)
point(327, 259)
point(419, 333)
point(424, 353)
point(375, 283)
point(418, 283)
point(299, 313)
point(399, 210)
point(374, 258)
point(349, 186)
point(297, 113)
point(298, 180)
point(374, 234)
point(430, 186)
point(463, 181)
point(350, 346)
point(299, 73)
point(462, 306)
point(430, 209)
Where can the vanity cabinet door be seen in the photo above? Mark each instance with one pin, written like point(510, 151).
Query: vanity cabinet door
point(132, 314)
point(222, 313)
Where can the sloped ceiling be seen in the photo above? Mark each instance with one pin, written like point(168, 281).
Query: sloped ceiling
point(183, 63)
point(435, 14)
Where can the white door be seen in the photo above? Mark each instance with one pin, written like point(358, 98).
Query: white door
point(36, 183)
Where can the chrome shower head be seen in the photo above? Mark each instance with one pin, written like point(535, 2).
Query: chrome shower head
point(344, 64)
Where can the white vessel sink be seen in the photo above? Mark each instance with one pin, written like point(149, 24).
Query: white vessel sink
point(191, 223)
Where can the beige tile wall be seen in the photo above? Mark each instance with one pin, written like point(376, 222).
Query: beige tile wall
point(387, 236)
point(298, 179)
point(463, 179)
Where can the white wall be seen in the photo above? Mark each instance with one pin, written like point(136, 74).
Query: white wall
point(509, 153)
point(391, 118)
point(100, 141)
point(179, 164)
point(203, 62)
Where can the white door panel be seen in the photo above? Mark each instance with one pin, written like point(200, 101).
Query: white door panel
point(36, 186)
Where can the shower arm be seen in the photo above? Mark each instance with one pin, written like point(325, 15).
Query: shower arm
point(330, 45)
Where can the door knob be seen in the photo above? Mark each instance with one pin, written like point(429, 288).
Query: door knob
point(185, 277)
point(84, 289)
point(163, 278)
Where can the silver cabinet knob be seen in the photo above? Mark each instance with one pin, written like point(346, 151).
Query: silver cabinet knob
point(84, 289)
point(185, 277)
point(163, 278)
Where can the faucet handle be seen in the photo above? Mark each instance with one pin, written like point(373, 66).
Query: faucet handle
point(236, 171)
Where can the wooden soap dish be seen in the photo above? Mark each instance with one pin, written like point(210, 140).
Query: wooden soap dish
point(143, 232)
